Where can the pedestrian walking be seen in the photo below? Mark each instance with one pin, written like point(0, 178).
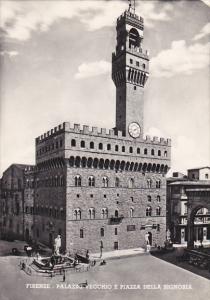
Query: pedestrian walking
point(64, 276)
point(101, 248)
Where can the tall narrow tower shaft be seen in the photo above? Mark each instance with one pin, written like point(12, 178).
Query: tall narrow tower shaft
point(130, 70)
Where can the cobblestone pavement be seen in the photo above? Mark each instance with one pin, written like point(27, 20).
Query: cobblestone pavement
point(136, 277)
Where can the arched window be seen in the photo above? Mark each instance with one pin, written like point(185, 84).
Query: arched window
point(131, 149)
point(149, 198)
point(117, 182)
point(82, 144)
point(159, 153)
point(91, 145)
point(158, 198)
point(138, 150)
point(77, 214)
point(91, 181)
point(92, 213)
point(134, 38)
point(123, 148)
point(116, 214)
point(105, 181)
point(100, 146)
point(102, 232)
point(145, 151)
point(131, 212)
point(81, 233)
point(158, 184)
point(158, 210)
point(165, 153)
point(148, 211)
point(152, 152)
point(149, 183)
point(108, 147)
point(131, 183)
point(73, 143)
point(104, 213)
point(77, 180)
point(116, 148)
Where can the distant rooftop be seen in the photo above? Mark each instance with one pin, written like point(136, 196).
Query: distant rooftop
point(191, 182)
point(199, 168)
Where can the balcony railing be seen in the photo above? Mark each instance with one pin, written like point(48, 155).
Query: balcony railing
point(115, 220)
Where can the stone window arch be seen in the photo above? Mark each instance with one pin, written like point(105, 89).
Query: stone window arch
point(77, 180)
point(152, 152)
point(138, 150)
point(158, 211)
point(92, 213)
point(149, 198)
point(91, 181)
point(131, 212)
point(145, 151)
point(116, 213)
point(116, 148)
point(73, 143)
point(91, 145)
point(100, 146)
point(130, 149)
point(77, 214)
point(123, 148)
point(105, 181)
point(131, 183)
point(148, 211)
point(108, 146)
point(165, 153)
point(159, 153)
point(82, 144)
point(117, 182)
point(134, 38)
point(158, 184)
point(104, 213)
point(102, 231)
point(149, 183)
point(158, 198)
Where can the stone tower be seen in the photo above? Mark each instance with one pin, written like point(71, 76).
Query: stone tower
point(130, 72)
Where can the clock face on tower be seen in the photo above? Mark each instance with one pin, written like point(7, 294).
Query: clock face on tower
point(134, 129)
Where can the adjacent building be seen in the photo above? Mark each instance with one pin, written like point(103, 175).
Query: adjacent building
point(15, 202)
point(180, 188)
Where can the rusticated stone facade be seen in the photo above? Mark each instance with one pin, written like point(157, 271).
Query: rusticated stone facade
point(109, 189)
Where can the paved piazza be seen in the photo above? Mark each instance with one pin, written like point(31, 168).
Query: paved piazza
point(121, 278)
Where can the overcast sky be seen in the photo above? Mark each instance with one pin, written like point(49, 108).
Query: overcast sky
point(55, 67)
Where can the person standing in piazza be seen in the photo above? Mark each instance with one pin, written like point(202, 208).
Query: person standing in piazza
point(101, 248)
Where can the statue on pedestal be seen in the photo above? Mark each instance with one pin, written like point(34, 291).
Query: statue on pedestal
point(57, 245)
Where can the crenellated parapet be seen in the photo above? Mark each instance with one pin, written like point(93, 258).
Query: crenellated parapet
point(130, 18)
point(54, 131)
point(98, 132)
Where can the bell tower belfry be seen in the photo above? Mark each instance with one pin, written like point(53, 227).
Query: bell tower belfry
point(130, 71)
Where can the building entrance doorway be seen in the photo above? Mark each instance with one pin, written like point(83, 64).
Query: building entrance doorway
point(116, 246)
point(150, 238)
